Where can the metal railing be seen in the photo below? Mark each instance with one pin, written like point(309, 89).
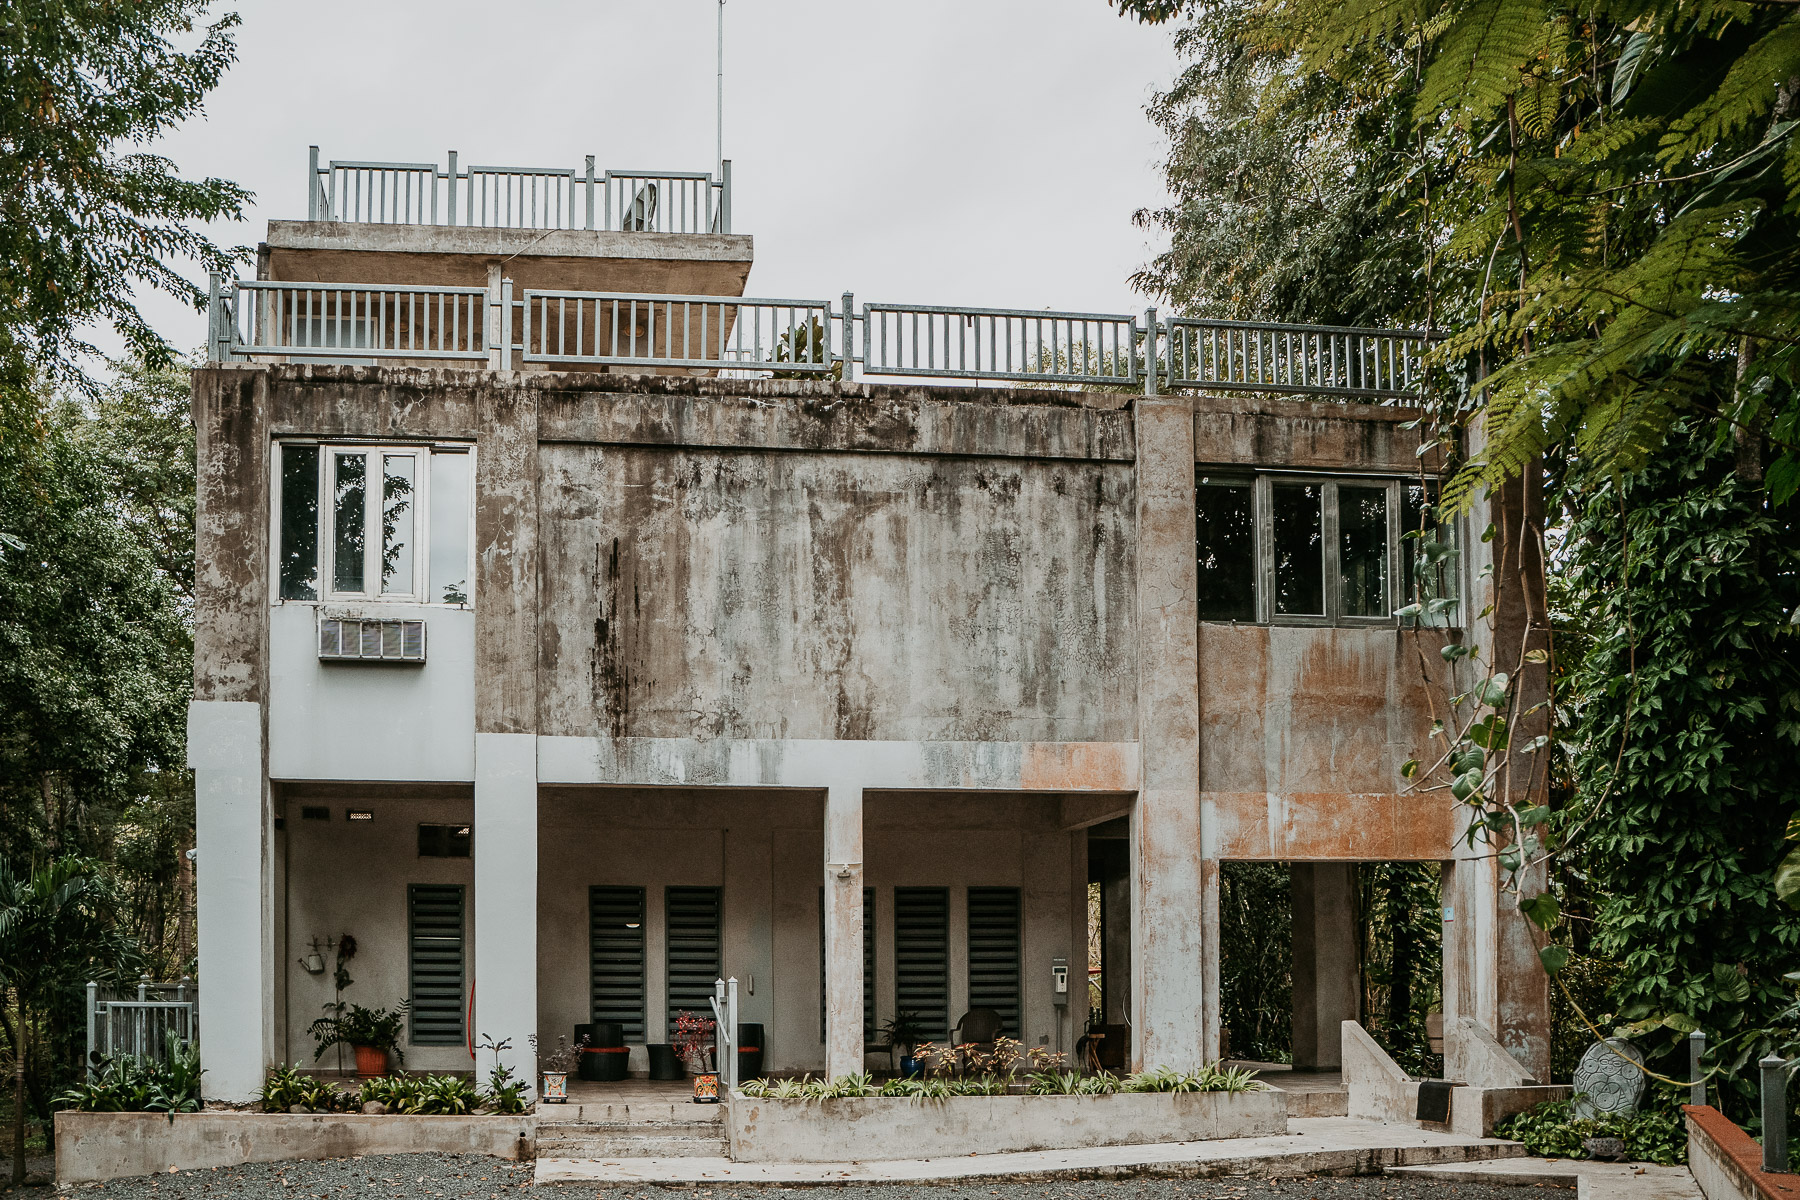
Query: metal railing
point(1315, 359)
point(749, 336)
point(314, 320)
point(675, 331)
point(139, 1024)
point(404, 193)
point(725, 1031)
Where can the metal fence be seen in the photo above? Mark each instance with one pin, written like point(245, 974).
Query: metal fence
point(138, 1023)
point(1318, 359)
point(313, 320)
point(747, 336)
point(403, 193)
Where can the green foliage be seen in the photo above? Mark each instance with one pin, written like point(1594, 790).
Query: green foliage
point(131, 1084)
point(379, 1028)
point(1684, 728)
point(1210, 1078)
point(1656, 1134)
point(1257, 950)
point(1400, 931)
point(504, 1095)
point(88, 216)
point(287, 1088)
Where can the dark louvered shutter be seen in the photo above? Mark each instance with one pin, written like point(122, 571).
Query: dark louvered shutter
point(994, 953)
point(692, 930)
point(616, 957)
point(868, 964)
point(435, 961)
point(922, 957)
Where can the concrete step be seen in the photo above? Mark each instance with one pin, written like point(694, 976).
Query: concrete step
point(636, 1112)
point(635, 1139)
point(1318, 1104)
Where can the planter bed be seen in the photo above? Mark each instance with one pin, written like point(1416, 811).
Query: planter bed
point(893, 1127)
point(96, 1146)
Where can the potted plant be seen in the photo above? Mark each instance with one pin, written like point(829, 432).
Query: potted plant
point(554, 1066)
point(902, 1035)
point(694, 1043)
point(373, 1033)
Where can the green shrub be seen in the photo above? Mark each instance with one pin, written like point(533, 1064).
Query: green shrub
point(287, 1088)
point(1209, 1078)
point(1552, 1130)
point(132, 1084)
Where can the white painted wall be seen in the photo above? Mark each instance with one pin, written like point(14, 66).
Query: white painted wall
point(372, 721)
point(351, 877)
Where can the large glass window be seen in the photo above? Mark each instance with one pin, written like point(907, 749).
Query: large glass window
point(387, 522)
point(1298, 537)
point(1225, 541)
point(1293, 549)
point(298, 545)
point(1362, 551)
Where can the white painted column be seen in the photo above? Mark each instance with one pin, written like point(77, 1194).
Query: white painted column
point(506, 896)
point(236, 953)
point(843, 930)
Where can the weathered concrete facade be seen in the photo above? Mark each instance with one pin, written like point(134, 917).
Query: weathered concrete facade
point(724, 629)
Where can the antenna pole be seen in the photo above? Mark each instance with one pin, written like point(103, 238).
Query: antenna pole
point(719, 116)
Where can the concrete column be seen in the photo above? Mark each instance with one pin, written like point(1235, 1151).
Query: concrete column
point(1170, 1025)
point(843, 931)
point(506, 894)
point(225, 749)
point(1115, 945)
point(1326, 975)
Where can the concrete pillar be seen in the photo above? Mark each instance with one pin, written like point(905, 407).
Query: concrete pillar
point(843, 930)
point(225, 749)
point(1326, 975)
point(1115, 944)
point(1170, 1026)
point(506, 895)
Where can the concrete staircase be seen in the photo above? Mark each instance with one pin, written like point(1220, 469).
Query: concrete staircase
point(638, 1129)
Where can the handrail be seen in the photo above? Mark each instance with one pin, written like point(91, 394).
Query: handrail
point(806, 338)
point(416, 193)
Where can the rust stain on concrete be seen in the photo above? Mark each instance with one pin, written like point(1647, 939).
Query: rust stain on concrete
point(1076, 766)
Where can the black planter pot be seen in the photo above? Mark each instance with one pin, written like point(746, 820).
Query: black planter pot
point(664, 1063)
point(605, 1058)
point(750, 1051)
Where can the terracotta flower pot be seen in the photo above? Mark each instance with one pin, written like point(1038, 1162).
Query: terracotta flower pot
point(371, 1062)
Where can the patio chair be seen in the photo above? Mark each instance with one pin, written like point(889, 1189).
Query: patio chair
point(978, 1029)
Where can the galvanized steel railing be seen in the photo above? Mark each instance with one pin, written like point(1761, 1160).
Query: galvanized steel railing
point(1315, 359)
point(139, 1025)
point(399, 193)
point(650, 330)
point(313, 320)
point(743, 335)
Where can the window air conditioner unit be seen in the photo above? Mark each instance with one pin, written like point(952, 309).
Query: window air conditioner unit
point(369, 639)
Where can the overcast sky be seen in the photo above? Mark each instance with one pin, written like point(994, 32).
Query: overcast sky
point(976, 152)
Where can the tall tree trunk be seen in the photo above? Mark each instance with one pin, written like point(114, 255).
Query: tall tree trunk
point(21, 1043)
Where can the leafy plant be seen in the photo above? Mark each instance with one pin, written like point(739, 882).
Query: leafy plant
point(903, 1031)
point(1209, 1078)
point(505, 1095)
point(444, 1096)
point(133, 1084)
point(561, 1060)
point(694, 1040)
point(378, 1028)
point(288, 1088)
point(1550, 1130)
point(398, 1093)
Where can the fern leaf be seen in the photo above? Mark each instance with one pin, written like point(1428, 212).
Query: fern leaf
point(1480, 60)
point(1745, 94)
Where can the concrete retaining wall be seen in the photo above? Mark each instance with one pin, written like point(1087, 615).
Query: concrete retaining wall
point(1727, 1162)
point(96, 1146)
point(878, 1127)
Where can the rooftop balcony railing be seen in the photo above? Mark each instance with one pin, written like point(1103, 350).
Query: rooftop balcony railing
point(401, 193)
point(802, 338)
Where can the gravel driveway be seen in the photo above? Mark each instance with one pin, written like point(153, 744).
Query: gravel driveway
point(472, 1177)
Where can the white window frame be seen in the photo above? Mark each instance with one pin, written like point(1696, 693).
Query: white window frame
point(417, 590)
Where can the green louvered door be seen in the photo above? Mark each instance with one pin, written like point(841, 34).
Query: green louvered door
point(692, 930)
point(616, 957)
point(435, 963)
point(922, 957)
point(994, 953)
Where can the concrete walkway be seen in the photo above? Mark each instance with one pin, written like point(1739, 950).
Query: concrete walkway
point(1331, 1145)
point(1593, 1180)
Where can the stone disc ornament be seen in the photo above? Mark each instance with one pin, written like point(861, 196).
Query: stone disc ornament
point(1609, 1080)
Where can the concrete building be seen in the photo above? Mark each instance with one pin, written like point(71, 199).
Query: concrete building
point(675, 643)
